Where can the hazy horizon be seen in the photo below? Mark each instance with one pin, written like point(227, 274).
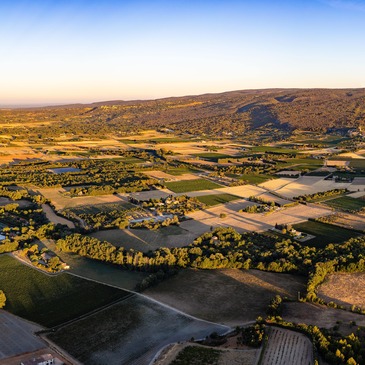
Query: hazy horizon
point(62, 52)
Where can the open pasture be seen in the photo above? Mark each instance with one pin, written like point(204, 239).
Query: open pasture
point(50, 300)
point(256, 178)
point(211, 200)
point(344, 288)
point(324, 233)
point(191, 185)
point(130, 332)
point(346, 204)
point(228, 296)
point(286, 347)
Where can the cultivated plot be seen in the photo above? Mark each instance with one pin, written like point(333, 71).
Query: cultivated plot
point(130, 332)
point(227, 296)
point(286, 347)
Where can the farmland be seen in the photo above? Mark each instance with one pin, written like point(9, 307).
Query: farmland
point(211, 200)
point(194, 291)
point(346, 204)
point(287, 347)
point(191, 185)
point(324, 233)
point(51, 300)
point(70, 160)
point(148, 326)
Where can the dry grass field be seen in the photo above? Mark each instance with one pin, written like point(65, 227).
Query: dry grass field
point(287, 348)
point(230, 297)
point(352, 221)
point(322, 316)
point(344, 288)
point(60, 201)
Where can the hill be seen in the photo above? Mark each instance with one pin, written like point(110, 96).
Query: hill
point(236, 112)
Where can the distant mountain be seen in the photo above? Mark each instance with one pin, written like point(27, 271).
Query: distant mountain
point(234, 111)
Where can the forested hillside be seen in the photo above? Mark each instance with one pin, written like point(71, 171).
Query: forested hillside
point(235, 112)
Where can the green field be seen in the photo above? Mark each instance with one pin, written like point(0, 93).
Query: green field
point(325, 233)
point(257, 178)
point(50, 300)
point(216, 199)
point(357, 164)
point(180, 170)
point(194, 355)
point(191, 185)
point(346, 203)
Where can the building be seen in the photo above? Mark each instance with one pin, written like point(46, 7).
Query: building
point(46, 359)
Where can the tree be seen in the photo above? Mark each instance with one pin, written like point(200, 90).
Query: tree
point(2, 299)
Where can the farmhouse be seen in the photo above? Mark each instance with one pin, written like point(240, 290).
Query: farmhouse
point(46, 359)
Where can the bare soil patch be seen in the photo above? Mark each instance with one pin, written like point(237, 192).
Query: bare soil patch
point(344, 288)
point(322, 316)
point(230, 297)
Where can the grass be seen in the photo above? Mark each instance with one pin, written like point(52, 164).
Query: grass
point(194, 355)
point(358, 164)
point(346, 203)
point(215, 199)
point(257, 178)
point(180, 170)
point(325, 233)
point(50, 300)
point(191, 185)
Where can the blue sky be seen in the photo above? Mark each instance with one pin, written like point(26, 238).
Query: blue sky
point(82, 51)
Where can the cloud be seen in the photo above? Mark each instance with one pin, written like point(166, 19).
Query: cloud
point(346, 4)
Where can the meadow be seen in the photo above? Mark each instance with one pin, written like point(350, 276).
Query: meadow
point(346, 204)
point(216, 199)
point(191, 185)
point(324, 233)
point(51, 300)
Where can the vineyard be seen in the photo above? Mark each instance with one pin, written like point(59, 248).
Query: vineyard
point(286, 347)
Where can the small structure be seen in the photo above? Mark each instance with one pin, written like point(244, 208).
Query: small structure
point(46, 359)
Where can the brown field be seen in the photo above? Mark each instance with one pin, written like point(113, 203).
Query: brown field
point(322, 316)
point(229, 296)
point(60, 201)
point(54, 218)
point(352, 221)
point(286, 347)
point(344, 288)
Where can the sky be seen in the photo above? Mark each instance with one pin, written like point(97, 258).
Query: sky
point(83, 51)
